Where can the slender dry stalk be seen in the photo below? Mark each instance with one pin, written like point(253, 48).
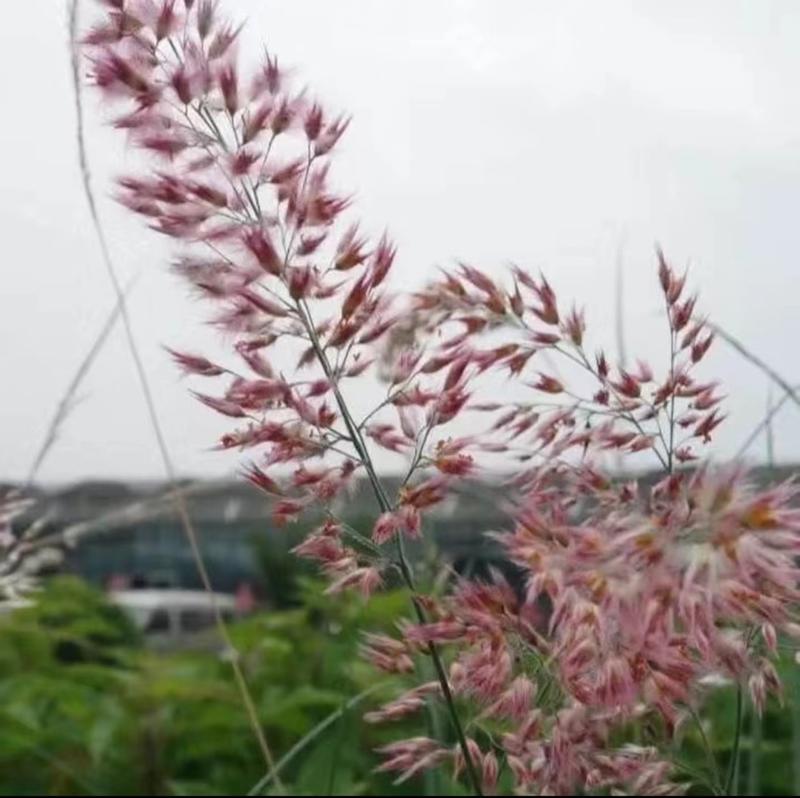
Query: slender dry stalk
point(756, 719)
point(119, 517)
point(67, 401)
point(783, 383)
point(179, 499)
point(619, 317)
point(764, 424)
point(770, 437)
point(619, 304)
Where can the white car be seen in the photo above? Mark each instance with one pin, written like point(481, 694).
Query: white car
point(175, 618)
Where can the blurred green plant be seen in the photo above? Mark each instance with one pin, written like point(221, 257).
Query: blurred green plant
point(766, 764)
point(86, 709)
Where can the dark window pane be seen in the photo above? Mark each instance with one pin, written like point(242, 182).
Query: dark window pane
point(159, 622)
point(195, 620)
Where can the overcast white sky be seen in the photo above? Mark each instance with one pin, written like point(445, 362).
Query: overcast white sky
point(541, 132)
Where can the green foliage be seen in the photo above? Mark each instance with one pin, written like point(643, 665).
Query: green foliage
point(766, 765)
point(85, 708)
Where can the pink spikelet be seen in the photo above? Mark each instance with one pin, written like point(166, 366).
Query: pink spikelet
point(651, 590)
point(236, 170)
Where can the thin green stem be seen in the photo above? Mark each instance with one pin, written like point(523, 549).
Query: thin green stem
point(441, 674)
point(582, 361)
point(672, 344)
point(419, 451)
point(713, 767)
point(405, 569)
point(796, 729)
point(733, 765)
point(754, 764)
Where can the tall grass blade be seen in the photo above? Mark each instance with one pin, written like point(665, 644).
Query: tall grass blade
point(309, 738)
point(732, 778)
